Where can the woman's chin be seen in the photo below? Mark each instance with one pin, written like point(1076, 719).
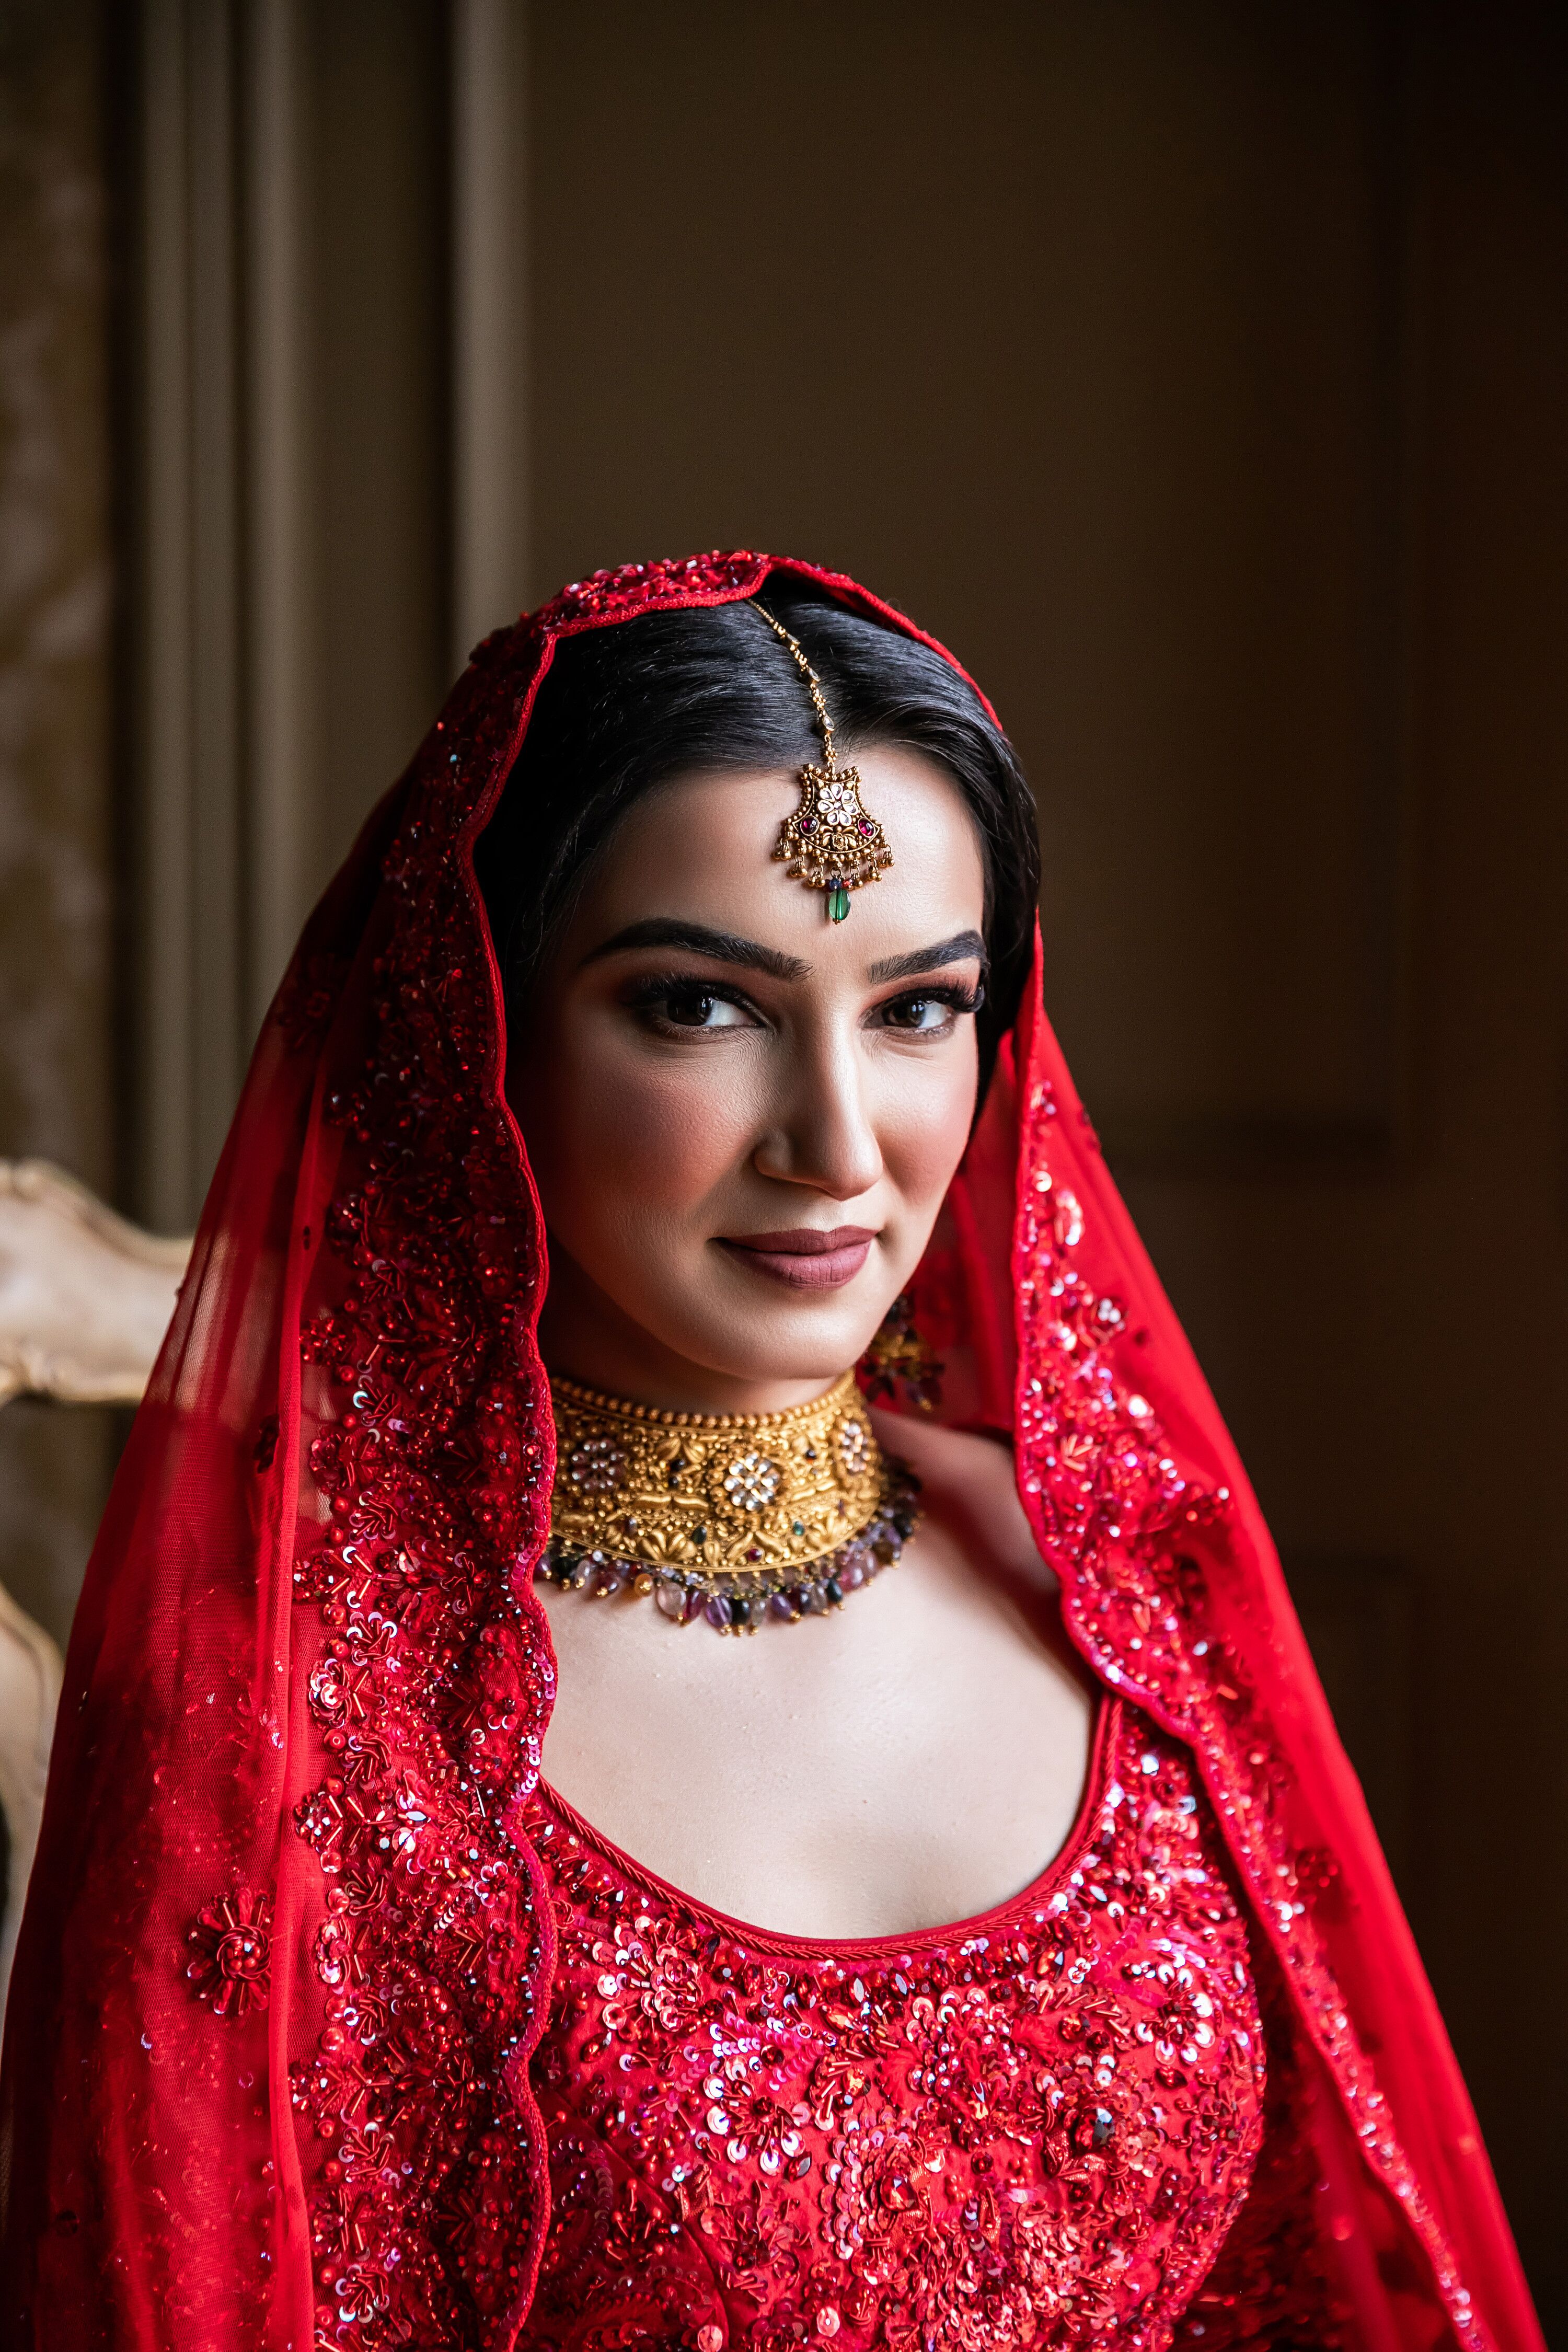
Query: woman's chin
point(801, 1335)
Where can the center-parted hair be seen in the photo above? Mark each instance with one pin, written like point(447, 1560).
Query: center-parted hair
point(624, 709)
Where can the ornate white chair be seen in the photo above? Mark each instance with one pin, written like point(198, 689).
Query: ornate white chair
point(85, 1300)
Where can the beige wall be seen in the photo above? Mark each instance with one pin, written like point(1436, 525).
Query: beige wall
point(1198, 372)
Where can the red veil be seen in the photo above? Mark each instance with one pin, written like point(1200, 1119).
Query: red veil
point(286, 1952)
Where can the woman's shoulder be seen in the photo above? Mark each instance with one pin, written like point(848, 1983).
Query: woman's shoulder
point(969, 1483)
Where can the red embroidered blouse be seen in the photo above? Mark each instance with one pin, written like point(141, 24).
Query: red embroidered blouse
point(1033, 2127)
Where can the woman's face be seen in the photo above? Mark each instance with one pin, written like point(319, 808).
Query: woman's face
point(742, 1118)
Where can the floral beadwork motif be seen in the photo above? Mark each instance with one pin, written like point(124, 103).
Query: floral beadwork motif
point(231, 1950)
point(1035, 2129)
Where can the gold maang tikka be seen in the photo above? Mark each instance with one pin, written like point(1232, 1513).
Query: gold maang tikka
point(831, 841)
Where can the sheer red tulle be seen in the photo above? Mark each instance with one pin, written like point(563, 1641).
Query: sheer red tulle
point(290, 1947)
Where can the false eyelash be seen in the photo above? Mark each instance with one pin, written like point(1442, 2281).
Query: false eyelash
point(947, 991)
point(653, 987)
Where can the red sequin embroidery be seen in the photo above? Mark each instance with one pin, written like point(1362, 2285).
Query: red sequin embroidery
point(1036, 2128)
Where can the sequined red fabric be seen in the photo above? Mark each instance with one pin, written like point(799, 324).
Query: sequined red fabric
point(1035, 2128)
point(269, 2076)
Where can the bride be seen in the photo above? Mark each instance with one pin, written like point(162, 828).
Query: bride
point(683, 1730)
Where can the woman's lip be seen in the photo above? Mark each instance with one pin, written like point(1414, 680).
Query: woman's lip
point(802, 1257)
point(803, 1241)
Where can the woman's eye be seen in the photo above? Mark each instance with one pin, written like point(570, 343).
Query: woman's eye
point(700, 1008)
point(923, 1014)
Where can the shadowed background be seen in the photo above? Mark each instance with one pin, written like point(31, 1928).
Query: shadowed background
point(1198, 372)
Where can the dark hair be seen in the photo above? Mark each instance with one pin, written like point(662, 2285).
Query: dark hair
point(622, 708)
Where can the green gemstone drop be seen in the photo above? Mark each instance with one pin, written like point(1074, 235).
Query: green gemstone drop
point(838, 905)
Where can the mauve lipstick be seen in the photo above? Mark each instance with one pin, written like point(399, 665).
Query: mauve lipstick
point(802, 1257)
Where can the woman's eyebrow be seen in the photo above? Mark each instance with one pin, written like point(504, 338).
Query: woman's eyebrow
point(959, 948)
point(722, 946)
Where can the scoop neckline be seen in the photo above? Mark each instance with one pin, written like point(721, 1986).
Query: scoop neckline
point(1108, 1710)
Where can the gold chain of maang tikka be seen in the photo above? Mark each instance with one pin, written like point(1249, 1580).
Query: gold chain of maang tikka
point(831, 842)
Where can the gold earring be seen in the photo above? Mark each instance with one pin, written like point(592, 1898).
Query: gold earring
point(897, 1358)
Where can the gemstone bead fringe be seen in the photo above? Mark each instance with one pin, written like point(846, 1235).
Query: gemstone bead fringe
point(739, 1604)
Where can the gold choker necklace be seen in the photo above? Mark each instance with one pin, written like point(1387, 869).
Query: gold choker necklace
point(731, 1516)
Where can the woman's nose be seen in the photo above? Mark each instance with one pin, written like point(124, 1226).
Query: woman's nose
point(822, 1134)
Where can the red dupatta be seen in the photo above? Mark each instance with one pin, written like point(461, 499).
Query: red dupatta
point(286, 1951)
